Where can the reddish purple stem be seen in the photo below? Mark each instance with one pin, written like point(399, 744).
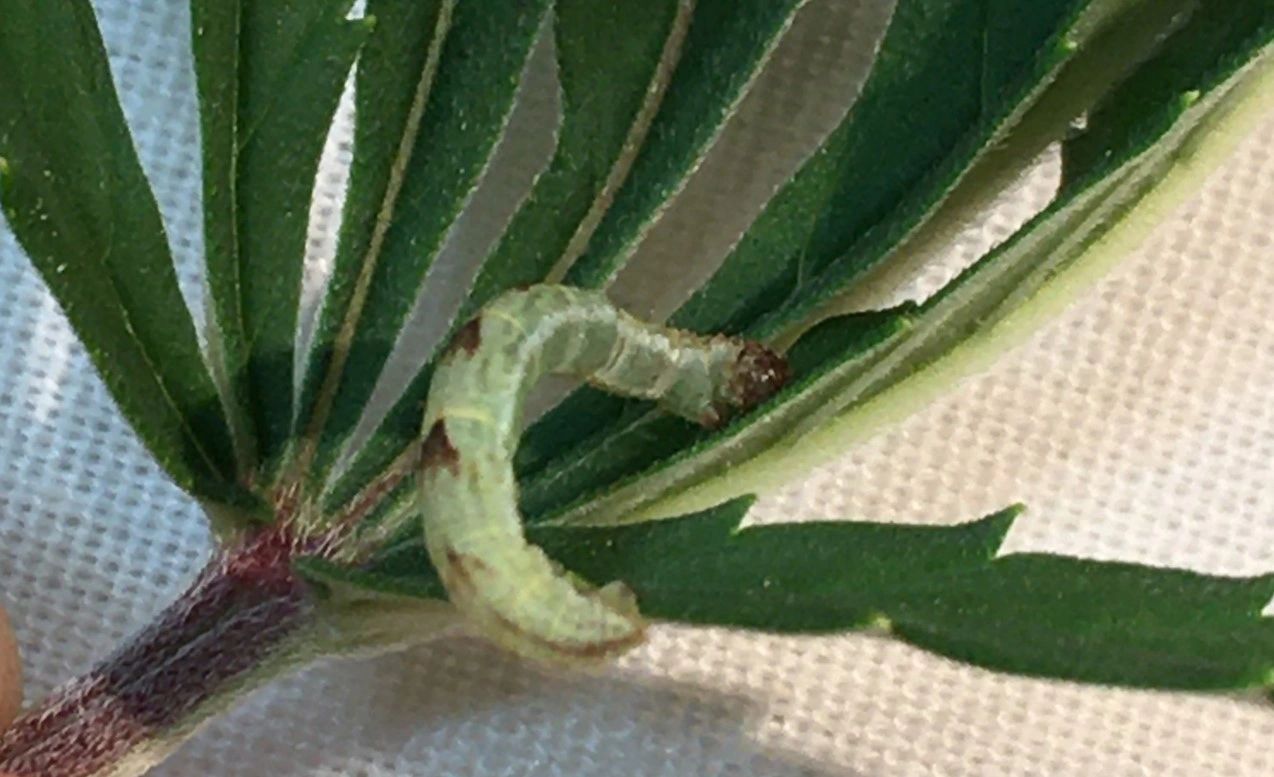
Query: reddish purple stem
point(242, 609)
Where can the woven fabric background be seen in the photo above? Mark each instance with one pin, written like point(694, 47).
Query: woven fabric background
point(1138, 426)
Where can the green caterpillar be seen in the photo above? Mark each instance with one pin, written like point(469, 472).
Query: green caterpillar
point(507, 588)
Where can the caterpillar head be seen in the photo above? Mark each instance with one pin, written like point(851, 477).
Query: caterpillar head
point(757, 374)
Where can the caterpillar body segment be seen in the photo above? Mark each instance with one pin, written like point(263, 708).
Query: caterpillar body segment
point(510, 590)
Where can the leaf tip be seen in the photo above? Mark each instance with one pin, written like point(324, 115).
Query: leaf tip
point(1014, 510)
point(998, 525)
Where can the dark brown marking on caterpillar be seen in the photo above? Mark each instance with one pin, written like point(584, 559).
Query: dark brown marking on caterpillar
point(459, 572)
point(465, 565)
point(467, 338)
point(437, 450)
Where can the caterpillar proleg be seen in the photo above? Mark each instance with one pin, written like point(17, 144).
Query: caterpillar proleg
point(509, 589)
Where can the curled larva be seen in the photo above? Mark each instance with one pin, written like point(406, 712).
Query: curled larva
point(507, 588)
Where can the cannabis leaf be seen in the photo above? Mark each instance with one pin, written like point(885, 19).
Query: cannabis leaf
point(726, 44)
point(269, 74)
point(942, 588)
point(630, 466)
point(1142, 97)
point(597, 461)
point(75, 195)
point(465, 110)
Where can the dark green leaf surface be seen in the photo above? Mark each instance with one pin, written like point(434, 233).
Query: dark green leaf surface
point(938, 587)
point(728, 43)
point(612, 63)
point(1146, 103)
point(793, 578)
point(1090, 621)
point(467, 108)
point(949, 75)
point(956, 330)
point(395, 75)
point(959, 54)
point(269, 73)
point(945, 322)
point(1083, 54)
point(75, 195)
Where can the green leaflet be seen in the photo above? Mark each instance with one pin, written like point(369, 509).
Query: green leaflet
point(938, 587)
point(613, 62)
point(704, 569)
point(998, 286)
point(1090, 621)
point(269, 74)
point(791, 578)
point(978, 65)
point(728, 43)
point(984, 311)
point(468, 105)
point(1030, 93)
point(75, 195)
point(893, 157)
point(1147, 103)
point(395, 75)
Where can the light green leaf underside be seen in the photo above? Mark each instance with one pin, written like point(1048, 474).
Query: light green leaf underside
point(939, 587)
point(468, 106)
point(269, 75)
point(75, 195)
point(1203, 111)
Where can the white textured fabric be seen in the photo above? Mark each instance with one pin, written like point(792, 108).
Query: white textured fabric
point(1138, 426)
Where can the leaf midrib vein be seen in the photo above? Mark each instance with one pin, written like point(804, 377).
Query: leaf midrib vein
point(341, 347)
